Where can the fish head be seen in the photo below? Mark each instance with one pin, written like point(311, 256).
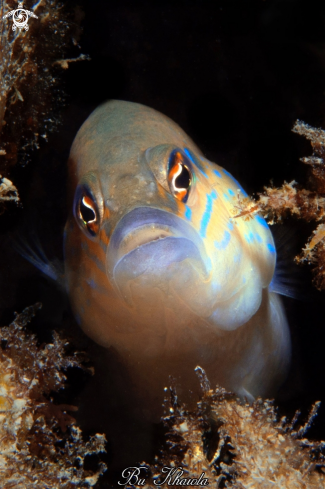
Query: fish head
point(152, 246)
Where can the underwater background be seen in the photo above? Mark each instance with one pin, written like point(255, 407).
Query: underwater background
point(235, 76)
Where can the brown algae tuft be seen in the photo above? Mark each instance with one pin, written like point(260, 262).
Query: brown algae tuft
point(40, 443)
point(31, 63)
point(236, 445)
point(292, 199)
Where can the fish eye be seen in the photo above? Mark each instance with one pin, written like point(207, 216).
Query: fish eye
point(179, 176)
point(86, 211)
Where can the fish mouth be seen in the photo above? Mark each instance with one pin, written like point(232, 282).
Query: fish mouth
point(149, 246)
point(142, 235)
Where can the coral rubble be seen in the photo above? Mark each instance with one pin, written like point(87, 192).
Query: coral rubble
point(40, 445)
point(291, 199)
point(237, 445)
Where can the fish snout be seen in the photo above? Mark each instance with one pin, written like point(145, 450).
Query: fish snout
point(150, 248)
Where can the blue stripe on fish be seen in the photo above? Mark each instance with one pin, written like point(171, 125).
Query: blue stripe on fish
point(189, 155)
point(271, 248)
point(230, 192)
point(207, 213)
point(236, 182)
point(224, 242)
point(194, 160)
point(261, 221)
point(188, 213)
point(249, 237)
point(216, 172)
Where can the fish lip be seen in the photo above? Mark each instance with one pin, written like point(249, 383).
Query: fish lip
point(141, 236)
point(165, 224)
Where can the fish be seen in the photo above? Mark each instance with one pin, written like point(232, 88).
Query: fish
point(158, 269)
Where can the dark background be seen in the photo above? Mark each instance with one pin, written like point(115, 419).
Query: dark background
point(235, 75)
